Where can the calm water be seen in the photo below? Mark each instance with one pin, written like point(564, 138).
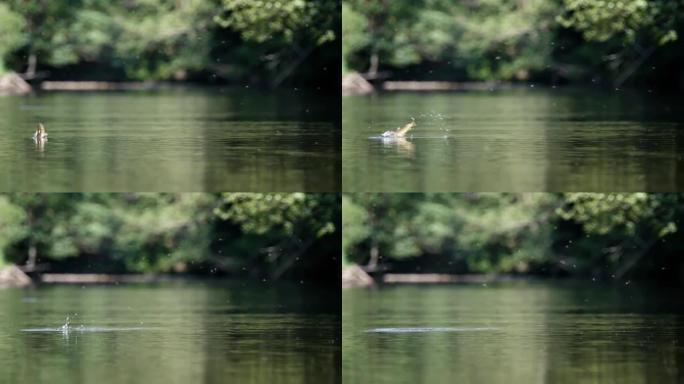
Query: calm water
point(173, 140)
point(513, 333)
point(170, 333)
point(515, 140)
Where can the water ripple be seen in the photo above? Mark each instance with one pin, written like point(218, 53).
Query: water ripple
point(429, 329)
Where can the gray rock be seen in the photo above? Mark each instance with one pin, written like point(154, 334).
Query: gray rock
point(12, 276)
point(354, 276)
point(13, 84)
point(355, 84)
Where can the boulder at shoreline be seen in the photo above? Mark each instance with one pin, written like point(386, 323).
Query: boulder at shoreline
point(353, 276)
point(13, 84)
point(355, 84)
point(12, 276)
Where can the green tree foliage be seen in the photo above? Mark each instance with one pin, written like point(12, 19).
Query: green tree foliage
point(504, 40)
point(575, 233)
point(11, 37)
point(354, 37)
point(387, 24)
point(623, 214)
point(152, 39)
point(163, 39)
point(454, 233)
point(284, 33)
point(11, 219)
point(355, 226)
point(622, 230)
point(509, 39)
point(159, 39)
point(41, 21)
point(625, 33)
point(264, 20)
point(287, 225)
point(238, 234)
point(486, 39)
point(286, 214)
point(623, 20)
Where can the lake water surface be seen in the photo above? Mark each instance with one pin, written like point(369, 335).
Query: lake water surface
point(521, 332)
point(170, 333)
point(530, 140)
point(185, 140)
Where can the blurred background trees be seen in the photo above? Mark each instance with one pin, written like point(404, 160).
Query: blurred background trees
point(257, 235)
point(534, 40)
point(262, 42)
point(11, 36)
point(583, 234)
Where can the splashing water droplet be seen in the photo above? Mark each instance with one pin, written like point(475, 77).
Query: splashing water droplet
point(65, 327)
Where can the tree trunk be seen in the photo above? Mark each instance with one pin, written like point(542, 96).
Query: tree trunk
point(624, 268)
point(285, 73)
point(627, 73)
point(374, 65)
point(31, 67)
point(283, 267)
point(32, 250)
point(32, 257)
point(374, 257)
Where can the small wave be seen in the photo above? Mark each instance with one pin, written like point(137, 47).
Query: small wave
point(85, 329)
point(429, 329)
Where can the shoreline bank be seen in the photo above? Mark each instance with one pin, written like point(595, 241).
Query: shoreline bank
point(12, 276)
point(444, 278)
point(103, 85)
point(12, 84)
point(355, 276)
point(357, 84)
point(432, 86)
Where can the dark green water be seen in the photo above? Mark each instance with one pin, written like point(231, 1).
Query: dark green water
point(515, 140)
point(170, 333)
point(514, 333)
point(173, 140)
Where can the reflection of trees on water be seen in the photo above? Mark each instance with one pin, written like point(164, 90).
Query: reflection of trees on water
point(168, 354)
point(299, 156)
point(625, 143)
point(516, 141)
point(201, 333)
point(174, 141)
point(40, 145)
point(280, 141)
point(457, 160)
point(292, 336)
point(401, 145)
point(572, 332)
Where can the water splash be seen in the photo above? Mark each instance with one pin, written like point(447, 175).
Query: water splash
point(437, 117)
point(440, 120)
point(67, 328)
point(84, 329)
